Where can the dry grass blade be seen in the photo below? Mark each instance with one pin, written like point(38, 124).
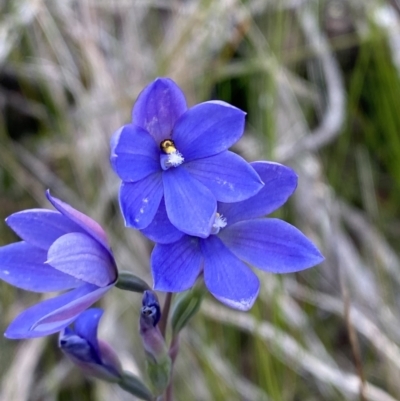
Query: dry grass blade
point(333, 117)
point(18, 382)
point(224, 372)
point(365, 326)
point(287, 348)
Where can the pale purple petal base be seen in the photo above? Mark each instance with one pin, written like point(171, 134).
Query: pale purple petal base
point(110, 360)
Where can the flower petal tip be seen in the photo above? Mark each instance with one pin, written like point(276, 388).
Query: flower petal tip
point(243, 305)
point(312, 256)
point(7, 335)
point(11, 334)
point(48, 195)
point(319, 258)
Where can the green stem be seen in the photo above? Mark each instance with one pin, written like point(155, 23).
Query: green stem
point(173, 353)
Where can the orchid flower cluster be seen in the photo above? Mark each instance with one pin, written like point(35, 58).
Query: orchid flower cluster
point(202, 205)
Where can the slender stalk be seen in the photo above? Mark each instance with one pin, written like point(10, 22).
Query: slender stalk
point(168, 392)
point(173, 353)
point(164, 316)
point(355, 348)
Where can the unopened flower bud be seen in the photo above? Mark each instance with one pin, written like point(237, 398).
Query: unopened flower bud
point(150, 313)
point(95, 357)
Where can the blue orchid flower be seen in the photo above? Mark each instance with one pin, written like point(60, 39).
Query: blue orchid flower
point(81, 345)
point(178, 158)
point(240, 235)
point(60, 250)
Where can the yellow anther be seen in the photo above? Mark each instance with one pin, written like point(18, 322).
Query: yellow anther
point(168, 146)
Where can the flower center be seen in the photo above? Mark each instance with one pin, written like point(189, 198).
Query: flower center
point(219, 222)
point(170, 157)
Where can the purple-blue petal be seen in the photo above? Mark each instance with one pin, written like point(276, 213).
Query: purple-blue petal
point(86, 327)
point(139, 201)
point(271, 245)
point(134, 153)
point(89, 225)
point(150, 314)
point(279, 183)
point(110, 361)
point(207, 129)
point(41, 227)
point(191, 207)
point(104, 365)
point(229, 177)
point(82, 257)
point(78, 349)
point(226, 277)
point(160, 230)
point(176, 266)
point(74, 308)
point(23, 265)
point(52, 315)
point(158, 107)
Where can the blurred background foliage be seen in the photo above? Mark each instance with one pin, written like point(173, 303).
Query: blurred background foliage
point(320, 83)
